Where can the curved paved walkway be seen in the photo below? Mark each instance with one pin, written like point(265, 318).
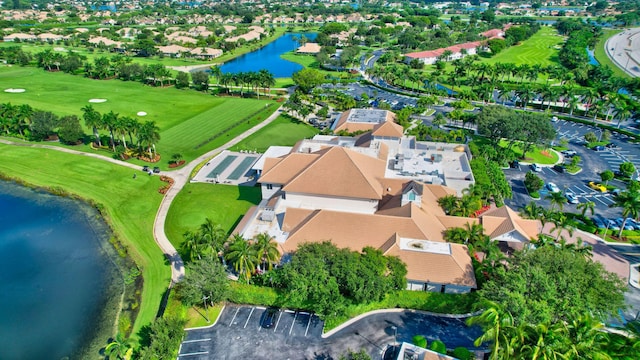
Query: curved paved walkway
point(180, 176)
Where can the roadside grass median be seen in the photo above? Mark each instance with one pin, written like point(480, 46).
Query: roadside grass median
point(128, 205)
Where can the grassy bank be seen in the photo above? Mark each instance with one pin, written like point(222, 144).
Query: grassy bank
point(129, 205)
point(283, 131)
point(224, 204)
point(190, 122)
point(600, 53)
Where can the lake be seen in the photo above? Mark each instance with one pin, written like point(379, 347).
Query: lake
point(60, 286)
point(268, 57)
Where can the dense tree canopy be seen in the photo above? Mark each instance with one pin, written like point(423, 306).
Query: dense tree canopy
point(326, 278)
point(554, 283)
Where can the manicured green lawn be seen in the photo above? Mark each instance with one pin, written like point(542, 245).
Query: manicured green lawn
point(539, 156)
point(129, 204)
point(186, 118)
point(538, 49)
point(601, 55)
point(224, 204)
point(283, 131)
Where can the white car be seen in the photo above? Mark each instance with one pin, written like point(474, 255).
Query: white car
point(553, 187)
point(536, 167)
point(571, 198)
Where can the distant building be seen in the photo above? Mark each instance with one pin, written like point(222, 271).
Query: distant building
point(309, 48)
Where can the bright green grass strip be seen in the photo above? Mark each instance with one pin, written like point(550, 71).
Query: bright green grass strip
point(537, 155)
point(538, 49)
point(283, 131)
point(130, 205)
point(601, 56)
point(224, 204)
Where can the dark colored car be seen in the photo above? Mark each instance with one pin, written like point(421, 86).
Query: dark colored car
point(598, 222)
point(515, 164)
point(145, 168)
point(269, 317)
point(598, 148)
point(156, 169)
point(559, 168)
point(611, 146)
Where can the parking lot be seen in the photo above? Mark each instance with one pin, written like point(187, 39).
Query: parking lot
point(240, 333)
point(592, 164)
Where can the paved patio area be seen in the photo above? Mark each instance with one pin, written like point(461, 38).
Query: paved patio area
point(231, 168)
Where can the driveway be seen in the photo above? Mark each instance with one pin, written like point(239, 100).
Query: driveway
point(239, 334)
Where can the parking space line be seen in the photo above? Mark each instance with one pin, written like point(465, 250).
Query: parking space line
point(234, 317)
point(248, 318)
point(293, 323)
point(277, 322)
point(194, 353)
point(192, 341)
point(597, 198)
point(289, 311)
point(261, 308)
point(306, 331)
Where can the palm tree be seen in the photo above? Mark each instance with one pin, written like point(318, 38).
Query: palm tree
point(213, 235)
point(119, 348)
point(109, 120)
point(629, 201)
point(496, 325)
point(562, 222)
point(267, 251)
point(22, 117)
point(93, 119)
point(148, 135)
point(586, 206)
point(191, 244)
point(531, 210)
point(216, 72)
point(588, 338)
point(455, 235)
point(557, 199)
point(243, 257)
point(448, 203)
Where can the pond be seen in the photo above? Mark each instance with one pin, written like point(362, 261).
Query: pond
point(60, 286)
point(268, 57)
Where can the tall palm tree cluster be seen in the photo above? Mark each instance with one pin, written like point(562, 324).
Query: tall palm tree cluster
point(474, 199)
point(581, 338)
point(523, 83)
point(122, 129)
point(253, 80)
point(247, 257)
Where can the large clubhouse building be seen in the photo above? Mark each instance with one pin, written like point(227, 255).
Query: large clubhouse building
point(379, 189)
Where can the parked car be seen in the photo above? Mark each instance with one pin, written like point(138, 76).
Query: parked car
point(559, 168)
point(627, 225)
point(569, 153)
point(598, 148)
point(599, 222)
point(611, 146)
point(554, 119)
point(553, 187)
point(597, 187)
point(156, 169)
point(571, 198)
point(269, 317)
point(515, 164)
point(536, 167)
point(612, 224)
point(636, 225)
point(145, 168)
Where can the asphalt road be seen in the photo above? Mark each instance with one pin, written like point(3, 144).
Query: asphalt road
point(239, 334)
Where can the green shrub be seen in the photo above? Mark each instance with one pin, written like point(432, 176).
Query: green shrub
point(462, 353)
point(439, 347)
point(420, 341)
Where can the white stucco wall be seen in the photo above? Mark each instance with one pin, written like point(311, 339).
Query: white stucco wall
point(268, 193)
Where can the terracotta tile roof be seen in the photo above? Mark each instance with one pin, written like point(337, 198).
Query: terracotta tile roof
point(456, 268)
point(284, 169)
point(338, 171)
point(503, 220)
point(388, 129)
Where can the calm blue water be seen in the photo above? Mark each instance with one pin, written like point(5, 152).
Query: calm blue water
point(54, 275)
point(592, 58)
point(268, 58)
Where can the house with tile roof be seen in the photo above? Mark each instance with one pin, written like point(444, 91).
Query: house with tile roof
point(379, 189)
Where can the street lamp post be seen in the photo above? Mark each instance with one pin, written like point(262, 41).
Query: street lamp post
point(395, 335)
point(204, 302)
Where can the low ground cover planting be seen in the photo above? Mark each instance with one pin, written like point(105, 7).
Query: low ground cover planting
point(224, 204)
point(283, 131)
point(540, 49)
point(130, 205)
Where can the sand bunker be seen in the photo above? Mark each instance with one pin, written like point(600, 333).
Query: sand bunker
point(60, 49)
point(141, 113)
point(97, 100)
point(14, 90)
